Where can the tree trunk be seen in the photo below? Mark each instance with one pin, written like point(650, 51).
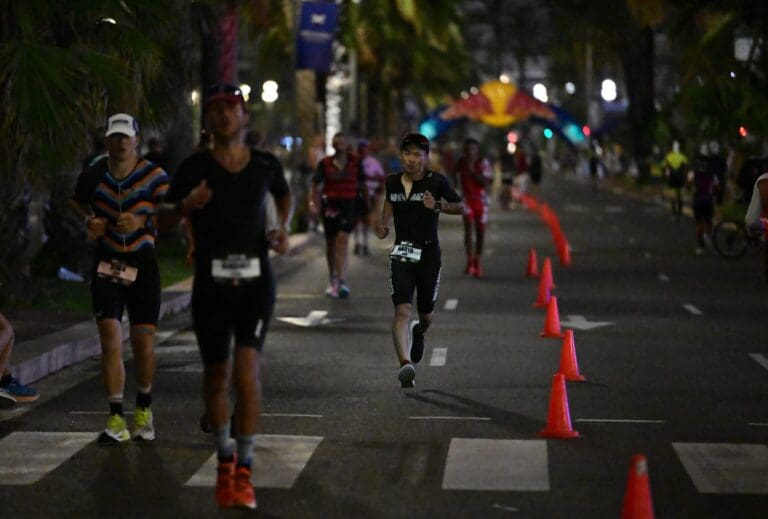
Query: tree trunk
point(637, 58)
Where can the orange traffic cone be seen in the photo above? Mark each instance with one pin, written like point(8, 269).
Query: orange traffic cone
point(552, 323)
point(568, 365)
point(559, 417)
point(532, 269)
point(637, 498)
point(544, 293)
point(564, 251)
point(546, 272)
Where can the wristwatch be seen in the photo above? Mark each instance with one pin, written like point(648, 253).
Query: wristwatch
point(438, 207)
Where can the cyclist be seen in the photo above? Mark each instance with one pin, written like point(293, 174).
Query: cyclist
point(756, 219)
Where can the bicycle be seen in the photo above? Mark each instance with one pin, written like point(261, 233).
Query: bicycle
point(729, 236)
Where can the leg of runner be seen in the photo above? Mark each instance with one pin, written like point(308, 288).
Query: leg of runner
point(216, 397)
point(143, 345)
point(330, 257)
point(479, 241)
point(469, 245)
point(401, 339)
point(113, 373)
point(247, 413)
point(340, 262)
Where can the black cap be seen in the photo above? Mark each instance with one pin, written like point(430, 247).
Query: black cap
point(416, 139)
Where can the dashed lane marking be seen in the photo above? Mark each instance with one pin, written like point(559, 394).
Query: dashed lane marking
point(693, 309)
point(725, 468)
point(181, 348)
point(471, 418)
point(500, 465)
point(663, 277)
point(757, 424)
point(617, 420)
point(27, 456)
point(760, 359)
point(277, 461)
point(451, 304)
point(293, 415)
point(647, 255)
point(438, 357)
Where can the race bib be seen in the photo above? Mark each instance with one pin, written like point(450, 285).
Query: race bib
point(236, 268)
point(117, 272)
point(406, 251)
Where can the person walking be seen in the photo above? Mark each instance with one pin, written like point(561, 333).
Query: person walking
point(414, 198)
point(335, 194)
point(223, 193)
point(11, 389)
point(374, 187)
point(705, 187)
point(675, 164)
point(473, 173)
point(118, 200)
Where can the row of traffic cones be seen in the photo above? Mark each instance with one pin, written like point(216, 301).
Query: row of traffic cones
point(637, 502)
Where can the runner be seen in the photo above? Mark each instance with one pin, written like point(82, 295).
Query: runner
point(337, 188)
point(223, 192)
point(374, 183)
point(475, 175)
point(415, 198)
point(118, 199)
point(675, 165)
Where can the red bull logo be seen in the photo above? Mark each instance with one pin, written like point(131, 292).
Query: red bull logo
point(498, 104)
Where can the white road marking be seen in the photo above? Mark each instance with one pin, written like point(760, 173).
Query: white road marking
point(663, 277)
point(760, 359)
point(613, 209)
point(161, 337)
point(451, 304)
point(579, 322)
point(575, 208)
point(27, 456)
point(277, 461)
point(617, 420)
point(758, 424)
point(189, 368)
point(181, 348)
point(693, 309)
point(647, 255)
point(475, 418)
point(313, 318)
point(438, 356)
point(300, 296)
point(503, 465)
point(503, 508)
point(98, 412)
point(632, 240)
point(293, 415)
point(725, 468)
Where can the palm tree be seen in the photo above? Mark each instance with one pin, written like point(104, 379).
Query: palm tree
point(63, 67)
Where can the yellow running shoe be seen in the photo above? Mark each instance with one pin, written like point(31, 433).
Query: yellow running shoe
point(143, 426)
point(116, 431)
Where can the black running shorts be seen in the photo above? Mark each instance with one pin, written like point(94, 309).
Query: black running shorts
point(703, 211)
point(339, 216)
point(220, 311)
point(141, 298)
point(423, 277)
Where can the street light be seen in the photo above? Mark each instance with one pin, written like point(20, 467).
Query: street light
point(570, 88)
point(245, 89)
point(608, 90)
point(269, 91)
point(540, 92)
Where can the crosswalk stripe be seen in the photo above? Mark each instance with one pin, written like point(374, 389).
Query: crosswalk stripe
point(725, 468)
point(27, 456)
point(438, 357)
point(502, 465)
point(691, 308)
point(277, 461)
point(760, 359)
point(451, 304)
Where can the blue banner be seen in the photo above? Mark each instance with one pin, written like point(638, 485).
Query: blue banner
point(315, 36)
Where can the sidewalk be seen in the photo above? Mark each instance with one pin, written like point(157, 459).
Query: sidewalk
point(37, 358)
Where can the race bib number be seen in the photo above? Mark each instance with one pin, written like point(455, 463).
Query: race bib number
point(236, 268)
point(406, 251)
point(117, 272)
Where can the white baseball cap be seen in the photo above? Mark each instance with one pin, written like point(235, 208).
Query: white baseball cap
point(122, 123)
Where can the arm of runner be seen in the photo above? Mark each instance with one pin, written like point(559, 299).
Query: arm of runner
point(279, 237)
point(382, 226)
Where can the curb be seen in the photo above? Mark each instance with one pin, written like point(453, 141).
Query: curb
point(54, 352)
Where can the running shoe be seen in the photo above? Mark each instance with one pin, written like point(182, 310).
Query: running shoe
point(332, 290)
point(116, 431)
point(343, 290)
point(406, 375)
point(6, 400)
point(242, 492)
point(225, 483)
point(478, 270)
point(143, 424)
point(417, 343)
point(19, 391)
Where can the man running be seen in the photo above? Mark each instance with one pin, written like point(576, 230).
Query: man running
point(337, 187)
point(374, 184)
point(415, 198)
point(223, 193)
point(474, 175)
point(118, 199)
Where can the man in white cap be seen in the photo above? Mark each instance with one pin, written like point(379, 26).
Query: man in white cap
point(118, 200)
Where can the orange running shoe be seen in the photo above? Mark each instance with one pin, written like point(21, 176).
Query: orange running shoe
point(225, 483)
point(242, 494)
point(478, 270)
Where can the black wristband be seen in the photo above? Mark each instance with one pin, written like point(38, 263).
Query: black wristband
point(438, 207)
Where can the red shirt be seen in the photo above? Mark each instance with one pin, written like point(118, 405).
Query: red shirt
point(470, 186)
point(339, 184)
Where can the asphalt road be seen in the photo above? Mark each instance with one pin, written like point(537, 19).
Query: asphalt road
point(672, 345)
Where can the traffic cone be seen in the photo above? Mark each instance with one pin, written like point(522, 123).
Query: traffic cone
point(637, 498)
point(559, 417)
point(564, 251)
point(532, 269)
point(546, 272)
point(552, 323)
point(544, 293)
point(568, 364)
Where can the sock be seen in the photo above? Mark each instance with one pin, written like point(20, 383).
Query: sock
point(116, 404)
point(143, 399)
point(404, 362)
point(245, 450)
point(224, 449)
